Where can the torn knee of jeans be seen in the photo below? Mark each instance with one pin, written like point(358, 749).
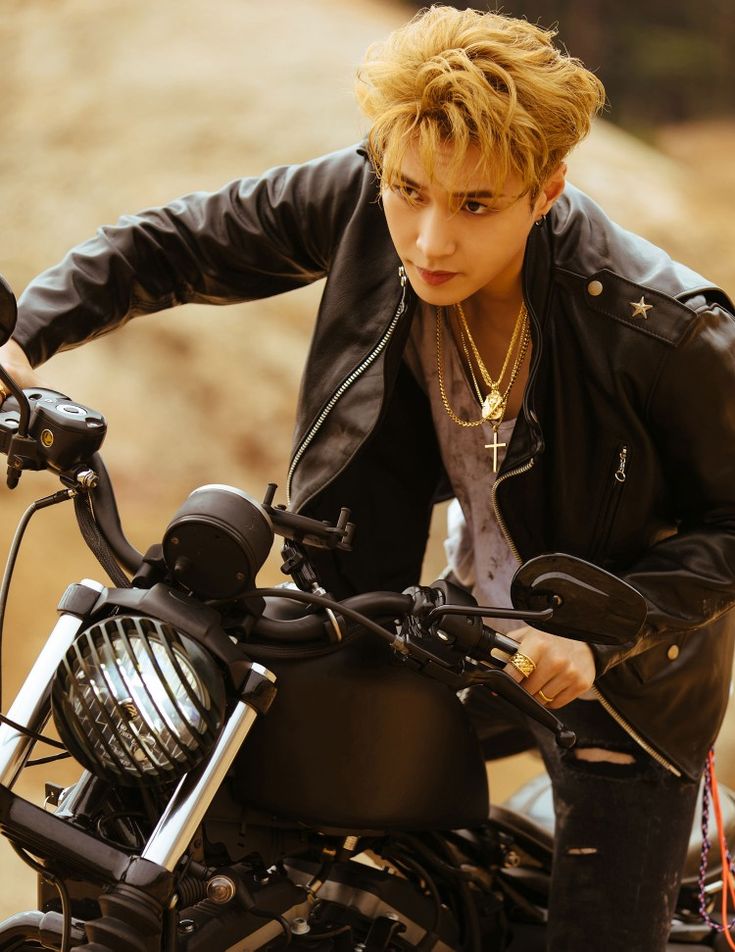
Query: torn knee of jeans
point(599, 755)
point(603, 762)
point(582, 851)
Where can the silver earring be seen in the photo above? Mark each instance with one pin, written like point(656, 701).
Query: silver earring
point(539, 221)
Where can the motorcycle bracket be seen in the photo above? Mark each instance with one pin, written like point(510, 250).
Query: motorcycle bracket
point(311, 532)
point(78, 600)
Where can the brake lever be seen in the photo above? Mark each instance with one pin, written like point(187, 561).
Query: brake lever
point(502, 684)
point(482, 611)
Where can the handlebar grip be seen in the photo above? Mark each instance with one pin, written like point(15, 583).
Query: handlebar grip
point(502, 642)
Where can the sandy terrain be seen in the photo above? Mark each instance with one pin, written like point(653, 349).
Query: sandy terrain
point(112, 107)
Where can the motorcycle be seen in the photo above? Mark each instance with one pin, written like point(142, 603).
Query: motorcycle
point(267, 767)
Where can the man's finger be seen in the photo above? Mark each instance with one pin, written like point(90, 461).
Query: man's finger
point(520, 666)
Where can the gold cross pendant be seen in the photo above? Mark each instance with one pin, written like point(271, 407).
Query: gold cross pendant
point(495, 446)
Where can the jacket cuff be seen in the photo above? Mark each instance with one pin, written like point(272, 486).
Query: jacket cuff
point(608, 656)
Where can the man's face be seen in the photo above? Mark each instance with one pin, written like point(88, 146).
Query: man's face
point(453, 249)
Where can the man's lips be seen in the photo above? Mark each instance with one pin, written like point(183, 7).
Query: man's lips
point(435, 277)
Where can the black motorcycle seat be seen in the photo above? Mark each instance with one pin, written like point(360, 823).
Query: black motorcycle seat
point(530, 813)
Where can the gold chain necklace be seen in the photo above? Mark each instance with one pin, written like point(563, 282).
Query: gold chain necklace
point(465, 332)
point(494, 403)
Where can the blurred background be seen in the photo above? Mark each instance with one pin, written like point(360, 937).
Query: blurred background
point(110, 108)
point(662, 61)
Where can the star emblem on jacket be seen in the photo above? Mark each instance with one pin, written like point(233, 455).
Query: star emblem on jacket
point(640, 308)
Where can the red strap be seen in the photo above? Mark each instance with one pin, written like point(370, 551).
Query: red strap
point(728, 881)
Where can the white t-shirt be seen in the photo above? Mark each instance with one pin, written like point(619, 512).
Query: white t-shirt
point(477, 552)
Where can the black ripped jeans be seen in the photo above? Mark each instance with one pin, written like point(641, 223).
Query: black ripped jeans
point(622, 831)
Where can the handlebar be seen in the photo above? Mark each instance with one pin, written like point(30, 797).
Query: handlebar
point(358, 609)
point(439, 628)
point(363, 609)
point(421, 640)
point(304, 628)
point(108, 518)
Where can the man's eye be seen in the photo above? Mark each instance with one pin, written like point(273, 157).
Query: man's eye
point(476, 208)
point(406, 192)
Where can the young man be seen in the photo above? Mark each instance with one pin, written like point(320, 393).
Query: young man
point(484, 321)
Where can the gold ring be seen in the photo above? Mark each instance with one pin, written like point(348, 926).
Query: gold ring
point(546, 700)
point(523, 663)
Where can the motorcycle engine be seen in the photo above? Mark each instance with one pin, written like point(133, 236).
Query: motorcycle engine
point(370, 907)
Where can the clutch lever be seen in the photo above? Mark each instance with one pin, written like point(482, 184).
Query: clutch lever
point(502, 684)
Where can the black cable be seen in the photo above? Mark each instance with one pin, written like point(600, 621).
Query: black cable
point(120, 815)
point(262, 914)
point(408, 861)
point(414, 843)
point(31, 733)
point(96, 541)
point(61, 889)
point(48, 760)
point(470, 919)
point(107, 517)
point(61, 496)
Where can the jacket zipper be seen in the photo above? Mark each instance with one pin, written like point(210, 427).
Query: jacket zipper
point(493, 498)
point(633, 733)
point(620, 475)
point(346, 384)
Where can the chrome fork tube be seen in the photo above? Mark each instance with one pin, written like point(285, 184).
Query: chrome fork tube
point(193, 795)
point(31, 706)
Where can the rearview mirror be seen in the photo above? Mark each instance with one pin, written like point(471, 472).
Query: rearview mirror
point(8, 311)
point(589, 603)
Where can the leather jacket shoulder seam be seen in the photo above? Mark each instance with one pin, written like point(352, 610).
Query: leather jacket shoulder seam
point(594, 300)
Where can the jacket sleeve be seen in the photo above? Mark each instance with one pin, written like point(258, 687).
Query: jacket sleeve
point(254, 238)
point(688, 579)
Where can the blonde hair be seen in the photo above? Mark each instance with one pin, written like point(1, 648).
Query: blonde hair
point(466, 78)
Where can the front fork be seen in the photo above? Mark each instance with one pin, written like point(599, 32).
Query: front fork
point(31, 706)
point(134, 879)
point(196, 790)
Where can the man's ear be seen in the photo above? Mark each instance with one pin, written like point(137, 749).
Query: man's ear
point(551, 190)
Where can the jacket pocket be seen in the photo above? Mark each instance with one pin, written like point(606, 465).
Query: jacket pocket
point(662, 656)
point(616, 477)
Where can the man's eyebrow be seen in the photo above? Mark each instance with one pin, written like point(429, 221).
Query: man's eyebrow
point(474, 193)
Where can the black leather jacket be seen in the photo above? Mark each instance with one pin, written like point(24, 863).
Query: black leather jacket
point(651, 389)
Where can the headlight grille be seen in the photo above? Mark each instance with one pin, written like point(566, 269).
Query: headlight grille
point(137, 701)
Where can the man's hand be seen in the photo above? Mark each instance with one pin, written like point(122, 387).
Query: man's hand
point(14, 360)
point(564, 668)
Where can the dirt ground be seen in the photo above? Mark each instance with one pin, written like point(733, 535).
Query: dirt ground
point(108, 108)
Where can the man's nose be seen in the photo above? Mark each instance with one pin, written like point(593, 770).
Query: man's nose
point(435, 238)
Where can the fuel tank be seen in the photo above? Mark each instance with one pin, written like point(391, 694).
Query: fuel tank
point(356, 740)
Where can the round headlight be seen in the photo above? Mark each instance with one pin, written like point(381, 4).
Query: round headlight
point(136, 701)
